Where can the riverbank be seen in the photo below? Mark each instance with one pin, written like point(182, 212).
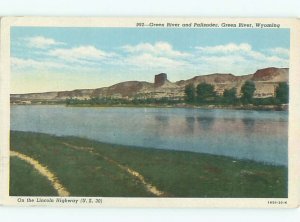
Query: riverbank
point(283, 107)
point(279, 107)
point(90, 168)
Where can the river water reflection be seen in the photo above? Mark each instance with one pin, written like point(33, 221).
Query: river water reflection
point(256, 135)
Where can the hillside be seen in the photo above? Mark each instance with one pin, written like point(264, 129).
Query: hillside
point(266, 80)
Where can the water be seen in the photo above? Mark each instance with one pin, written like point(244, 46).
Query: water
point(255, 135)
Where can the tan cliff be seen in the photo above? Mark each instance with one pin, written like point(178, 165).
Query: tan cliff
point(266, 81)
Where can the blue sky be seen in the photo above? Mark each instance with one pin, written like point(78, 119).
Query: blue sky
point(50, 59)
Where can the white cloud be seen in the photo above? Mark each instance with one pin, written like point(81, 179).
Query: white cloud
point(80, 54)
point(228, 48)
point(42, 42)
point(159, 48)
point(239, 58)
point(237, 64)
point(147, 60)
point(280, 51)
point(244, 49)
point(20, 63)
point(227, 60)
point(160, 56)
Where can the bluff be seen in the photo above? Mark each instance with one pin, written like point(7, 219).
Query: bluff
point(266, 81)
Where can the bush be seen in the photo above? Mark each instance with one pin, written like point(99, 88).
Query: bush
point(248, 90)
point(282, 92)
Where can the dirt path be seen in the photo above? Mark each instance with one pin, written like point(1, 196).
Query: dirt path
point(44, 171)
point(149, 187)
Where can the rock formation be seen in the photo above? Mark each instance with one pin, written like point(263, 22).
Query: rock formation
point(160, 79)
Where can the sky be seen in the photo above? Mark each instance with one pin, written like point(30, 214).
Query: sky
point(47, 59)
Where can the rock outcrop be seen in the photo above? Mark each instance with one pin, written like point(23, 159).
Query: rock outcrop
point(160, 79)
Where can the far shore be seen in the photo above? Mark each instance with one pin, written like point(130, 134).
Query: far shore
point(281, 107)
point(236, 107)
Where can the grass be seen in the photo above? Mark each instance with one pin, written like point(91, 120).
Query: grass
point(31, 184)
point(176, 173)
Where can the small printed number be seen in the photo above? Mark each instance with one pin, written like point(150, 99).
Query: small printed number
point(277, 202)
point(98, 200)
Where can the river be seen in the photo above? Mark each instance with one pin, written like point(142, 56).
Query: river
point(254, 135)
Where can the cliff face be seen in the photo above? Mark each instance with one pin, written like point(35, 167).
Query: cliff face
point(271, 74)
point(266, 80)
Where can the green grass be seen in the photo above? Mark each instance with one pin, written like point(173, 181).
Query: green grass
point(177, 173)
point(31, 184)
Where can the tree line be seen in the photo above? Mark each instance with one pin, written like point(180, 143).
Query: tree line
point(107, 101)
point(205, 93)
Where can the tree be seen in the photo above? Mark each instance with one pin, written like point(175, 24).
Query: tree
point(190, 93)
point(229, 96)
point(248, 90)
point(205, 92)
point(282, 92)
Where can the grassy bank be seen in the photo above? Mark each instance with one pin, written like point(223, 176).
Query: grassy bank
point(90, 168)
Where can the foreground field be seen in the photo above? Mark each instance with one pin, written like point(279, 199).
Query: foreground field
point(90, 168)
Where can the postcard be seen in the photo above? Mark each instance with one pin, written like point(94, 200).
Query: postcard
point(150, 112)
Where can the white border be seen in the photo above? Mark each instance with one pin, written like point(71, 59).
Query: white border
point(294, 129)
